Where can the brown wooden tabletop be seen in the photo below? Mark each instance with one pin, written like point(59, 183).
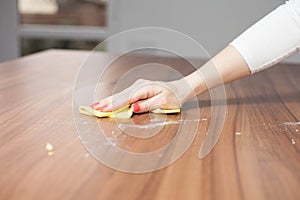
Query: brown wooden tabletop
point(256, 157)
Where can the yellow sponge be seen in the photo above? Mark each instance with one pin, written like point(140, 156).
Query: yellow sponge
point(165, 111)
point(124, 112)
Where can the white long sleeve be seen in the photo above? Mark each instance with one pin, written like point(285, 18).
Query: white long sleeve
point(272, 39)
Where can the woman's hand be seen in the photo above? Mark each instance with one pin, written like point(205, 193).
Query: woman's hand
point(145, 95)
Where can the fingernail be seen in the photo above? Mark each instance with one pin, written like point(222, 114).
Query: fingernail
point(98, 107)
point(94, 104)
point(136, 107)
point(105, 109)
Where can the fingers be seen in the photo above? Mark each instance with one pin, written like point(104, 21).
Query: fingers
point(108, 105)
point(140, 90)
point(143, 95)
point(102, 104)
point(118, 100)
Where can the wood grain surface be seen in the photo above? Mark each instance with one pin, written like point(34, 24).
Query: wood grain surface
point(257, 156)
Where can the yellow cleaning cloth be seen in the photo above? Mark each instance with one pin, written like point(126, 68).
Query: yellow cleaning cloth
point(124, 112)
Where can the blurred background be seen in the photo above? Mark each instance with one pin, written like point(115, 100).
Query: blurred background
point(29, 26)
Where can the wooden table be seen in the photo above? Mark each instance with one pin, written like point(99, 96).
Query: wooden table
point(256, 157)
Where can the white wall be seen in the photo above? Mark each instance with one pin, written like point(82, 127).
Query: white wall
point(8, 30)
point(212, 23)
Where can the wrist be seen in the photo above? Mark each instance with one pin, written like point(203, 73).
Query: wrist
point(188, 87)
point(196, 83)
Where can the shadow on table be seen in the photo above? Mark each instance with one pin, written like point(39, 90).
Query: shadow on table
point(257, 99)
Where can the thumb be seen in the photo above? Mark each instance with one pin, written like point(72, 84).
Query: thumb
point(145, 105)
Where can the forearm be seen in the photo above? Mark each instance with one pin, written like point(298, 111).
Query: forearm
point(269, 41)
point(226, 66)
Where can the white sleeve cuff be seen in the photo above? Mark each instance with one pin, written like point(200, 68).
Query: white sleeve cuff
point(272, 39)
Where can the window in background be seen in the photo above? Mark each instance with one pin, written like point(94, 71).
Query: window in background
point(33, 45)
point(69, 24)
point(63, 12)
